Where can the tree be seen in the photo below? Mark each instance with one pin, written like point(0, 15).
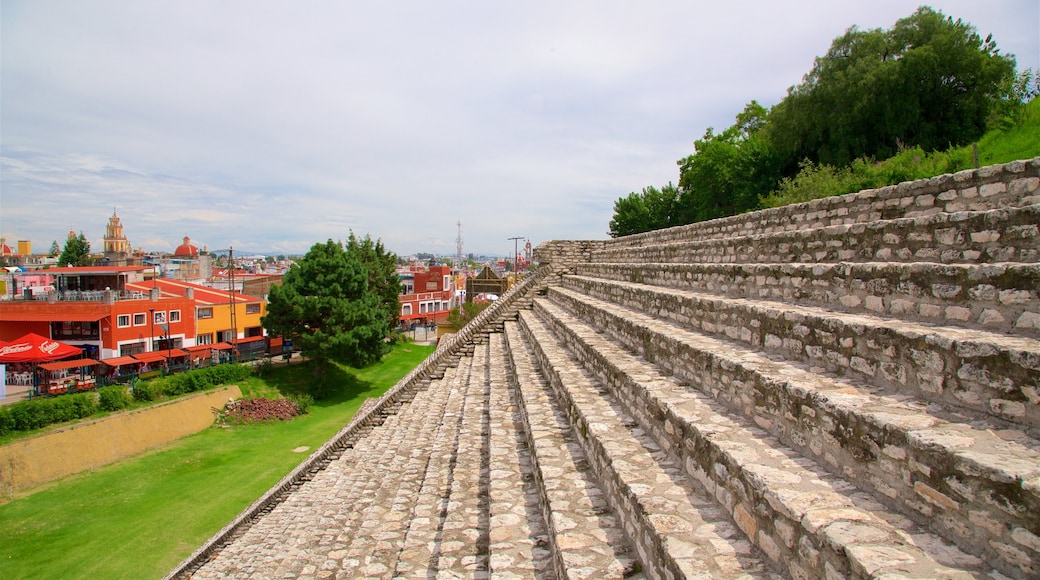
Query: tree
point(76, 251)
point(729, 171)
point(930, 81)
point(55, 249)
point(328, 308)
point(382, 275)
point(651, 209)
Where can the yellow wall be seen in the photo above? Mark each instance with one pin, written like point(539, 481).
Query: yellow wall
point(222, 319)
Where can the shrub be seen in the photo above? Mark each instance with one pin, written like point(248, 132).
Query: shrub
point(38, 413)
point(114, 398)
point(6, 420)
point(147, 391)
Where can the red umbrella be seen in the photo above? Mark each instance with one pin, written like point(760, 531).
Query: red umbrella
point(34, 348)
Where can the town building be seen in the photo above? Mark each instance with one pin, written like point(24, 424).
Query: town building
point(112, 311)
point(102, 309)
point(427, 295)
point(220, 316)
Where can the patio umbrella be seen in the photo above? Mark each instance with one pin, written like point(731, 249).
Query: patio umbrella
point(33, 348)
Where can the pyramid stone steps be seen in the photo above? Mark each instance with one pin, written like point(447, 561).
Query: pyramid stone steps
point(986, 372)
point(805, 519)
point(987, 237)
point(429, 525)
point(585, 538)
point(676, 527)
point(925, 464)
point(311, 530)
point(518, 537)
point(1010, 185)
point(995, 297)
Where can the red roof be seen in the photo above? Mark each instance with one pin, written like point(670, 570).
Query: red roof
point(120, 361)
point(158, 355)
point(68, 364)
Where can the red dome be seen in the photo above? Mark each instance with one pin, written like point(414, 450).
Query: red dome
point(186, 249)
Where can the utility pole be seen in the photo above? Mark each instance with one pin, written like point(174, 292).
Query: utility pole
point(516, 248)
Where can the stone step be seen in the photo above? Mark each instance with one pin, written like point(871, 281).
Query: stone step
point(994, 236)
point(401, 531)
point(807, 521)
point(312, 528)
point(977, 486)
point(978, 370)
point(674, 524)
point(586, 540)
point(1012, 185)
point(995, 297)
point(518, 536)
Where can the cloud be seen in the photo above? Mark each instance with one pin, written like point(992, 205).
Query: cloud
point(270, 126)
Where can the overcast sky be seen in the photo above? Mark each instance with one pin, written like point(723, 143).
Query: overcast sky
point(270, 126)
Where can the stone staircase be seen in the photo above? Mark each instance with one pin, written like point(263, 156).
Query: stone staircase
point(848, 388)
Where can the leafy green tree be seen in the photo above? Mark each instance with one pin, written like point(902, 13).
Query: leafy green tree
point(381, 265)
point(729, 171)
point(930, 81)
point(651, 209)
point(76, 251)
point(326, 305)
point(55, 249)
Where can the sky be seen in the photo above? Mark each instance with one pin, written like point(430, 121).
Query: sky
point(268, 127)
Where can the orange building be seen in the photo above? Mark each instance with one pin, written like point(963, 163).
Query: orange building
point(102, 309)
point(220, 316)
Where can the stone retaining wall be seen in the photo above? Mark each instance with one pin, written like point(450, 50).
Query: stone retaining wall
point(29, 462)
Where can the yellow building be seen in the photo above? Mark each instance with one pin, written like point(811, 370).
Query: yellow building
point(220, 316)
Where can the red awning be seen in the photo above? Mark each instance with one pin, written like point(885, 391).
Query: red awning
point(198, 351)
point(68, 364)
point(221, 346)
point(35, 348)
point(158, 355)
point(249, 339)
point(276, 341)
point(120, 361)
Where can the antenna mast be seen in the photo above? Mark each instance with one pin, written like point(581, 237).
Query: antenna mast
point(458, 248)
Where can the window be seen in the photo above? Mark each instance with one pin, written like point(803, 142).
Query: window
point(175, 316)
point(447, 282)
point(252, 309)
point(205, 313)
point(139, 319)
point(204, 339)
point(160, 317)
point(123, 320)
point(406, 309)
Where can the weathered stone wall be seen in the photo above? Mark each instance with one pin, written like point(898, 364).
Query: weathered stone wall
point(1010, 185)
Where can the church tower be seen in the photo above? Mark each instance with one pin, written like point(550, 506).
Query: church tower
point(117, 248)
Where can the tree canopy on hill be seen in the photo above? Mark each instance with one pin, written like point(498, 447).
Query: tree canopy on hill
point(333, 303)
point(929, 83)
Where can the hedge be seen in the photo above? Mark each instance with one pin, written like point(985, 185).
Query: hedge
point(40, 412)
point(37, 413)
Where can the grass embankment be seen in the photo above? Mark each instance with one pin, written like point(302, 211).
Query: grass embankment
point(140, 517)
point(1017, 140)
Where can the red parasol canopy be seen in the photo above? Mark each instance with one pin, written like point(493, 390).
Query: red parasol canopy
point(35, 348)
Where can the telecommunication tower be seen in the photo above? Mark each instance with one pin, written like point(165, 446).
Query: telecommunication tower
point(458, 248)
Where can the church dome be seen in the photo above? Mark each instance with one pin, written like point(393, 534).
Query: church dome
point(186, 249)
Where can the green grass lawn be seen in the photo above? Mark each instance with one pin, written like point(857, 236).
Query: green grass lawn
point(141, 517)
